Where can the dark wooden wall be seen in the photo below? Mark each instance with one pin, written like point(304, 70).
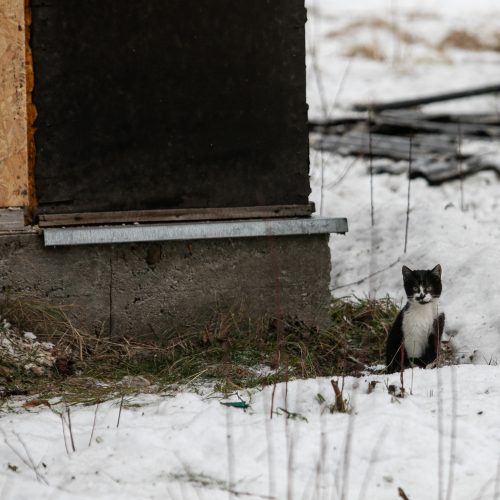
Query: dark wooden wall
point(151, 104)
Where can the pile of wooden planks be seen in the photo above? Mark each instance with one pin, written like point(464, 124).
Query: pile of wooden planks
point(445, 146)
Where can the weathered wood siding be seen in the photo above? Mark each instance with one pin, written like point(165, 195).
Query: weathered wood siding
point(156, 104)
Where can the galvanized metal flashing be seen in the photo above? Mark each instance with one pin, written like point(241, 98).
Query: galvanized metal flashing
point(89, 235)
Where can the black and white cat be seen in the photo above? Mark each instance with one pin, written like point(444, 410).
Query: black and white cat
point(415, 336)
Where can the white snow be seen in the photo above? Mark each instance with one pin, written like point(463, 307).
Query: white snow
point(442, 440)
point(190, 446)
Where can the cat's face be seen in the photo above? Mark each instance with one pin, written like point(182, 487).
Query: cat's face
point(422, 286)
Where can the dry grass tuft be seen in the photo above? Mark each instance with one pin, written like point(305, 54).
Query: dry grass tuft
point(229, 351)
point(375, 24)
point(51, 323)
point(365, 51)
point(465, 40)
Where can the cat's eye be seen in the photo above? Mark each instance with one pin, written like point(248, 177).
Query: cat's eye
point(428, 289)
point(415, 288)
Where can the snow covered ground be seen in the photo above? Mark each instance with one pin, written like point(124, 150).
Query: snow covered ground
point(443, 439)
point(192, 447)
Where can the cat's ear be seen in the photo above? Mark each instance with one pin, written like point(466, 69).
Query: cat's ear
point(437, 271)
point(407, 272)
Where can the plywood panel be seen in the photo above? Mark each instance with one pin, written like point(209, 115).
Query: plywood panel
point(13, 121)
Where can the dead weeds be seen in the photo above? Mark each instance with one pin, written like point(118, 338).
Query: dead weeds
point(462, 39)
point(365, 51)
point(467, 40)
point(230, 352)
point(376, 24)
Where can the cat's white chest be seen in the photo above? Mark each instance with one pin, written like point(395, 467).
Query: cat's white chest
point(417, 326)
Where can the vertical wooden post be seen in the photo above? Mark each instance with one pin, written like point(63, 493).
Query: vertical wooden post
point(14, 170)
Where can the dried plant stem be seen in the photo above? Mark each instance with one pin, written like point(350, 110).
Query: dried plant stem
point(453, 444)
point(322, 458)
point(340, 88)
point(70, 428)
point(120, 411)
point(322, 163)
point(279, 315)
point(410, 152)
point(231, 456)
point(318, 76)
point(460, 166)
point(64, 432)
point(339, 400)
point(373, 459)
point(344, 494)
point(27, 460)
point(402, 494)
point(270, 452)
point(93, 424)
point(496, 491)
point(440, 434)
point(372, 208)
point(272, 401)
point(402, 368)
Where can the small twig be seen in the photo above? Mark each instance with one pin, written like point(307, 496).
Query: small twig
point(402, 494)
point(272, 400)
point(28, 460)
point(93, 424)
point(70, 428)
point(341, 83)
point(343, 174)
point(64, 432)
point(318, 78)
point(358, 282)
point(120, 411)
point(409, 188)
point(402, 368)
point(339, 400)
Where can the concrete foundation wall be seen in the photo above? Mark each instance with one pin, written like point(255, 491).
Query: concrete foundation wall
point(143, 288)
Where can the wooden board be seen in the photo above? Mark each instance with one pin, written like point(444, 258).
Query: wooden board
point(80, 219)
point(11, 219)
point(13, 117)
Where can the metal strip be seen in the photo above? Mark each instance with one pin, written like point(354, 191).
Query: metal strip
point(193, 231)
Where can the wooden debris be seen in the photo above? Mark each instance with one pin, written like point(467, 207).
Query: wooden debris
point(435, 138)
point(419, 101)
point(171, 215)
